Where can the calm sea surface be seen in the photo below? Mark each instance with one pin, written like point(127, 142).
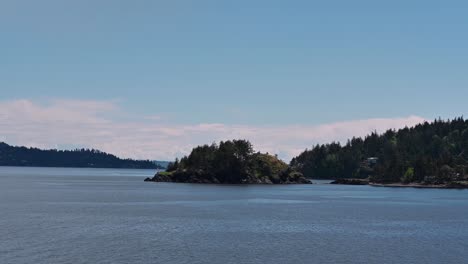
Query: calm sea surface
point(54, 215)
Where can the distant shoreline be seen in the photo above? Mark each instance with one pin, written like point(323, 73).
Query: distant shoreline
point(78, 158)
point(52, 167)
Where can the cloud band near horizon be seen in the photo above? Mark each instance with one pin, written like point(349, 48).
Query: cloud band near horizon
point(68, 124)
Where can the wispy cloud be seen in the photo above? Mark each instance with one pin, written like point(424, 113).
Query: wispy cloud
point(95, 124)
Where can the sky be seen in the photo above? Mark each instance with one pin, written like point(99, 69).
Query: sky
point(152, 79)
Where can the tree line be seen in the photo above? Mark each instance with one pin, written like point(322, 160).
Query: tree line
point(79, 158)
point(433, 152)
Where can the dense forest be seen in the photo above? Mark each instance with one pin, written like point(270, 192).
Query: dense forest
point(233, 162)
point(79, 158)
point(433, 153)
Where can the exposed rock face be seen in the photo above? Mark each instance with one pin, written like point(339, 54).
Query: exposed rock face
point(458, 185)
point(449, 185)
point(351, 181)
point(200, 177)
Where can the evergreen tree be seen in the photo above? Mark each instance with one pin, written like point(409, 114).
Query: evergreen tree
point(429, 151)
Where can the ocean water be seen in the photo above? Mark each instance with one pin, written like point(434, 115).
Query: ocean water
point(54, 215)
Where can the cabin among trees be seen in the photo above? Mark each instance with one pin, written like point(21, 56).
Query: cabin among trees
point(435, 152)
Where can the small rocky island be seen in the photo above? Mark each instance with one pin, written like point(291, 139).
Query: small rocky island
point(230, 162)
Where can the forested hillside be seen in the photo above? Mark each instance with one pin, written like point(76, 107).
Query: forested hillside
point(22, 156)
point(430, 152)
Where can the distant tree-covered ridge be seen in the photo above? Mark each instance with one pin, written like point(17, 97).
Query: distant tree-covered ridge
point(430, 153)
point(230, 162)
point(79, 158)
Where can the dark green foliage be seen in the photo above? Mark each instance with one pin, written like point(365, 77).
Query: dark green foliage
point(79, 158)
point(230, 162)
point(436, 151)
point(409, 176)
point(172, 166)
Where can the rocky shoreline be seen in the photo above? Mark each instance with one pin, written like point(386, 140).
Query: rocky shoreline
point(351, 182)
point(450, 185)
point(203, 178)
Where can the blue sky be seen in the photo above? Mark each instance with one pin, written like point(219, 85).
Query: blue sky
point(252, 64)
